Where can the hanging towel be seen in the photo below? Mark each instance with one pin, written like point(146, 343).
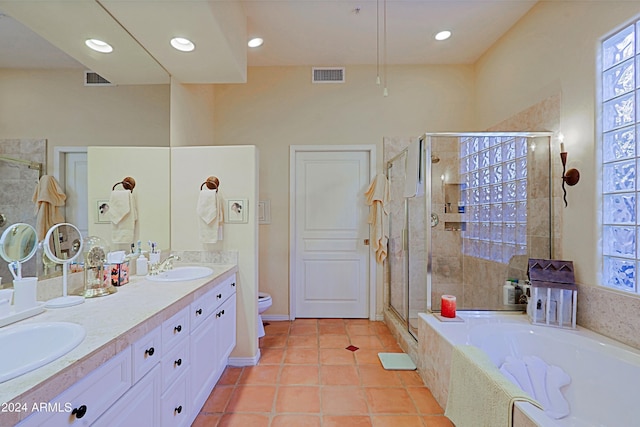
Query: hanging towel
point(377, 196)
point(479, 395)
point(123, 214)
point(413, 176)
point(210, 216)
point(48, 197)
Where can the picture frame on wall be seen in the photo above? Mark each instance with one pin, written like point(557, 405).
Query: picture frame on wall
point(102, 209)
point(237, 211)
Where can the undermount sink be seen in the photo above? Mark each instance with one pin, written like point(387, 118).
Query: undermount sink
point(181, 273)
point(30, 346)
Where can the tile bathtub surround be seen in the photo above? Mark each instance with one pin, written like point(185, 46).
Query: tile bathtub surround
point(307, 377)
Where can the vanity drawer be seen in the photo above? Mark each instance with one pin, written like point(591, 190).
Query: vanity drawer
point(202, 308)
point(175, 329)
point(174, 363)
point(82, 403)
point(146, 353)
point(225, 290)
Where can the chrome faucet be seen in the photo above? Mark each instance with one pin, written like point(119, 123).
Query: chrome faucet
point(165, 265)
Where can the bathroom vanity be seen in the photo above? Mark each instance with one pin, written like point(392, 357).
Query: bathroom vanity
point(151, 356)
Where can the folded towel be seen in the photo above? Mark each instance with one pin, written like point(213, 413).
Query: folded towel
point(123, 213)
point(479, 395)
point(540, 380)
point(377, 196)
point(210, 216)
point(48, 197)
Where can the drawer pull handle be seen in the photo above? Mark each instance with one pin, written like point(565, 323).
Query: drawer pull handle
point(178, 409)
point(178, 362)
point(233, 284)
point(149, 352)
point(177, 328)
point(199, 311)
point(220, 313)
point(219, 296)
point(79, 412)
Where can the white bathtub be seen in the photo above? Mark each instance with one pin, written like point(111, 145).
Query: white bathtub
point(605, 374)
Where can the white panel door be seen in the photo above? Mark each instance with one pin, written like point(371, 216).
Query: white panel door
point(331, 258)
point(75, 187)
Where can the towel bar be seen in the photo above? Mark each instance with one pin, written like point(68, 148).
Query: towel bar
point(128, 183)
point(212, 183)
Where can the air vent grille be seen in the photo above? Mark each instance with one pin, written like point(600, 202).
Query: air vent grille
point(328, 75)
point(95, 79)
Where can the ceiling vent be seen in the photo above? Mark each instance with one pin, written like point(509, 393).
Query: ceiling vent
point(95, 79)
point(327, 75)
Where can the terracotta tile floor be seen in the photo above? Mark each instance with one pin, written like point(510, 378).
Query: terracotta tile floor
point(307, 378)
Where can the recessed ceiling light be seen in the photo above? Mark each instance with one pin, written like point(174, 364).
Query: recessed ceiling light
point(182, 44)
point(255, 42)
point(99, 45)
point(443, 35)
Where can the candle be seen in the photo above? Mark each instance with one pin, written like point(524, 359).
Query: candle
point(448, 306)
point(562, 147)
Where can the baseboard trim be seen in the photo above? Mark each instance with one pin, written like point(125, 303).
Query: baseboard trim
point(244, 361)
point(275, 317)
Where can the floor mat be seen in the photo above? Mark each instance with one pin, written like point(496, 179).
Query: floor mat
point(396, 362)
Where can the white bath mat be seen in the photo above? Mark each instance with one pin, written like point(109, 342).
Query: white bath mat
point(396, 362)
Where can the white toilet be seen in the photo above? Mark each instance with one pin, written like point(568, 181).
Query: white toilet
point(264, 302)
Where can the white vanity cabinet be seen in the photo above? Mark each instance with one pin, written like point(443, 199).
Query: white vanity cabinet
point(163, 378)
point(212, 339)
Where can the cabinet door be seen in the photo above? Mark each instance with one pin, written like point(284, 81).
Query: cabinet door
point(175, 403)
point(204, 360)
point(225, 330)
point(139, 407)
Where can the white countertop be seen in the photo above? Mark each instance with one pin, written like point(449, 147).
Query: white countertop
point(112, 323)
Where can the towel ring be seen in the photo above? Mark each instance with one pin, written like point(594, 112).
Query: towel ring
point(212, 183)
point(128, 183)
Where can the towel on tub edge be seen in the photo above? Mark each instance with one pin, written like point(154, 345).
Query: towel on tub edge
point(479, 395)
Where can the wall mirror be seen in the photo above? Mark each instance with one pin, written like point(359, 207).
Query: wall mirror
point(63, 244)
point(18, 244)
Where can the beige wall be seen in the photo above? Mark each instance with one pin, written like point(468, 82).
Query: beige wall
point(552, 50)
point(236, 168)
point(191, 114)
point(279, 107)
point(55, 105)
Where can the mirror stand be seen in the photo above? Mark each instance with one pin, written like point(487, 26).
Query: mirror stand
point(65, 300)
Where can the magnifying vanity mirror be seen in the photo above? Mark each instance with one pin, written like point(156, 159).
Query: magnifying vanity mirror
point(63, 244)
point(18, 244)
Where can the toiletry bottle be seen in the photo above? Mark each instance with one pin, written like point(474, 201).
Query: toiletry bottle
point(508, 293)
point(141, 266)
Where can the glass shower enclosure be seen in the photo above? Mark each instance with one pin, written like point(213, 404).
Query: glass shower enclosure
point(467, 211)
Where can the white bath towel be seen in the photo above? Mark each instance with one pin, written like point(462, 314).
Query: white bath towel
point(48, 197)
point(377, 196)
point(210, 216)
point(540, 380)
point(123, 214)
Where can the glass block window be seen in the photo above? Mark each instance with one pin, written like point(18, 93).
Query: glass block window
point(620, 95)
point(494, 176)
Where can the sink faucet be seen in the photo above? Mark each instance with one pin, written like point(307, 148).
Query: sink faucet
point(165, 265)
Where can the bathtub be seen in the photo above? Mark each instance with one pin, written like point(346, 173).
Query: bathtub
point(605, 374)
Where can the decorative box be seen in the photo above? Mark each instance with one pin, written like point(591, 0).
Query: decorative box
point(116, 274)
point(554, 297)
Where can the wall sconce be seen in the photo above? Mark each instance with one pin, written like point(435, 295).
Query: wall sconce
point(569, 177)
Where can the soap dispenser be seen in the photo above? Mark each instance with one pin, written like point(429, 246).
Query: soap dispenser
point(142, 265)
